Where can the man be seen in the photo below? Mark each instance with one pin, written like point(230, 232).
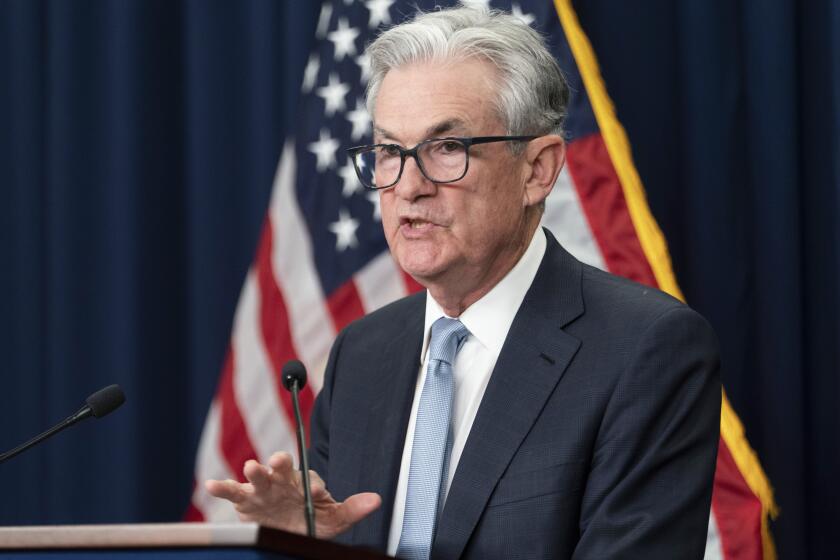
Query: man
point(526, 405)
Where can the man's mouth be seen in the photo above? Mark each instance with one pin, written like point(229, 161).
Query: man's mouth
point(413, 222)
point(417, 224)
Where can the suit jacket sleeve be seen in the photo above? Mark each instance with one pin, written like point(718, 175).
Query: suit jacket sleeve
point(648, 492)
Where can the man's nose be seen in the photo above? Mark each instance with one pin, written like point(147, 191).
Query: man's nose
point(413, 184)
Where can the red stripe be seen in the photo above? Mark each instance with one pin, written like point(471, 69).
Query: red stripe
point(276, 332)
point(606, 209)
point(235, 445)
point(193, 514)
point(345, 305)
point(736, 509)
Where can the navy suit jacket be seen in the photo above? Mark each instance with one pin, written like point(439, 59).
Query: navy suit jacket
point(596, 437)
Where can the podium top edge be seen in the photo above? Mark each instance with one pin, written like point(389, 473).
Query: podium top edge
point(143, 535)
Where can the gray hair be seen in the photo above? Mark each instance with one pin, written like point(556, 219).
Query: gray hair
point(532, 95)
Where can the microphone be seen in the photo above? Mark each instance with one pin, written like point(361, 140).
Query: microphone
point(99, 404)
point(294, 379)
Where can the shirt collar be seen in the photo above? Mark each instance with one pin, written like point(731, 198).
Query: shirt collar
point(489, 319)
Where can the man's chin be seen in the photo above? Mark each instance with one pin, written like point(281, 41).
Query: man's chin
point(423, 273)
point(421, 277)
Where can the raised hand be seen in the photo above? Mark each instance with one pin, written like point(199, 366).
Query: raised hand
point(273, 496)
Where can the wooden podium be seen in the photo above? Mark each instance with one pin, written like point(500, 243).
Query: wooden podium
point(169, 541)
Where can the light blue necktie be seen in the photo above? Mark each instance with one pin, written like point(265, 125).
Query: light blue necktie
point(432, 442)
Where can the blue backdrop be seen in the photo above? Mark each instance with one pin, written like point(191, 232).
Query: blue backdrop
point(138, 142)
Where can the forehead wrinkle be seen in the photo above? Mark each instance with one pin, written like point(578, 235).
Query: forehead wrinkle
point(435, 130)
point(445, 126)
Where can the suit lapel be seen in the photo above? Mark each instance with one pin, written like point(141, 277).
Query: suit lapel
point(531, 363)
point(387, 424)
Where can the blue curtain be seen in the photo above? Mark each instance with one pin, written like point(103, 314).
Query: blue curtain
point(733, 111)
point(138, 142)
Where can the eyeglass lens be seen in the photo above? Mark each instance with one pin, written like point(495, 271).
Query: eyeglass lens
point(441, 161)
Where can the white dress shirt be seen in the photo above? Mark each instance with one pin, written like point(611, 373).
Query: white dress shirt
point(488, 321)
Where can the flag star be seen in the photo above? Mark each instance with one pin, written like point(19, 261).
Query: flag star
point(363, 62)
point(333, 94)
point(324, 20)
point(360, 120)
point(324, 150)
point(379, 13)
point(348, 176)
point(373, 198)
point(344, 39)
point(345, 231)
point(310, 73)
point(517, 12)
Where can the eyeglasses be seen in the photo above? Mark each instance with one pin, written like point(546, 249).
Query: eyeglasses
point(441, 160)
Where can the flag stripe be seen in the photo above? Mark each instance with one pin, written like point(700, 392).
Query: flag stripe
point(714, 549)
point(749, 467)
point(274, 324)
point(255, 385)
point(294, 269)
point(210, 465)
point(235, 443)
point(193, 514)
point(564, 217)
point(602, 200)
point(737, 510)
point(345, 305)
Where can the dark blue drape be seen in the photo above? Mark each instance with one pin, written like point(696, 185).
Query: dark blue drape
point(138, 142)
point(733, 110)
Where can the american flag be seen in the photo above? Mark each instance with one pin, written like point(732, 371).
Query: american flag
point(322, 260)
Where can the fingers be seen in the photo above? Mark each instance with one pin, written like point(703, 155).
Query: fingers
point(273, 494)
point(318, 486)
point(282, 467)
point(315, 478)
point(281, 462)
point(226, 489)
point(258, 475)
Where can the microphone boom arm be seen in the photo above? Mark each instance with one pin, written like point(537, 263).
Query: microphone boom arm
point(98, 404)
point(83, 413)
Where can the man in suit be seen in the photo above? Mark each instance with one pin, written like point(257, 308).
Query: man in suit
point(526, 405)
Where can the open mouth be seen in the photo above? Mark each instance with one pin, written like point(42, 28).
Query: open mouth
point(414, 223)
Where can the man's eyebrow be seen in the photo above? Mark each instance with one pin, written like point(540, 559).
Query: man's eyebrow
point(444, 127)
point(381, 132)
point(433, 131)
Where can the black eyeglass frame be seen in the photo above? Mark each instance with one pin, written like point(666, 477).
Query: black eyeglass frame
point(468, 142)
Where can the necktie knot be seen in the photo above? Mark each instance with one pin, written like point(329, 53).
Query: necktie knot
point(447, 336)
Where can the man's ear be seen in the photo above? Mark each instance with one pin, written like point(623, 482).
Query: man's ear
point(546, 156)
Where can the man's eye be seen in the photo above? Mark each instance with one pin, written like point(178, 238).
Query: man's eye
point(449, 146)
point(390, 151)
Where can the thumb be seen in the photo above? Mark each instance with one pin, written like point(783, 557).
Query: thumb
point(358, 506)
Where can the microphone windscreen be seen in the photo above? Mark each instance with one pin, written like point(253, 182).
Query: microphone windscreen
point(105, 401)
point(293, 371)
